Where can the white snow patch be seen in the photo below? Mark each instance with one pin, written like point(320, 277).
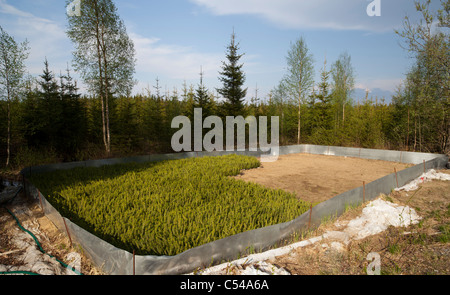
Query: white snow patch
point(377, 216)
point(263, 268)
point(425, 177)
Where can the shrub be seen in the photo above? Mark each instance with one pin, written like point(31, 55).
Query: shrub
point(167, 207)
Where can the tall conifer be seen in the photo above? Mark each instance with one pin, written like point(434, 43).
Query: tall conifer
point(233, 79)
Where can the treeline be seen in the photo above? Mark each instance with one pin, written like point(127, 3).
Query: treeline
point(53, 122)
point(46, 119)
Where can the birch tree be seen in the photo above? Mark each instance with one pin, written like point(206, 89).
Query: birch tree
point(104, 54)
point(300, 76)
point(12, 70)
point(343, 84)
point(427, 85)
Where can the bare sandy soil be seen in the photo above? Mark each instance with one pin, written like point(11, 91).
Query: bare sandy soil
point(317, 178)
point(405, 232)
point(420, 249)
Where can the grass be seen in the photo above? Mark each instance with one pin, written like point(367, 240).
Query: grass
point(444, 237)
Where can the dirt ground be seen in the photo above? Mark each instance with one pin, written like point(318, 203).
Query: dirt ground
point(420, 249)
point(317, 178)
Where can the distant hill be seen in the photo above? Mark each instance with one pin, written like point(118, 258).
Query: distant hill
point(359, 94)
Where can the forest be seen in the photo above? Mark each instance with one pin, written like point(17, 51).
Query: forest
point(45, 119)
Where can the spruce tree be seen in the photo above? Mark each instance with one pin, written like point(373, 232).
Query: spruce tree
point(50, 108)
point(73, 117)
point(323, 106)
point(233, 79)
point(202, 99)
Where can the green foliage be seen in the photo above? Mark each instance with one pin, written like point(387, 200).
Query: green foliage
point(167, 207)
point(53, 116)
point(12, 70)
point(27, 157)
point(299, 78)
point(77, 128)
point(233, 78)
point(202, 99)
point(104, 55)
point(125, 122)
point(425, 92)
point(444, 237)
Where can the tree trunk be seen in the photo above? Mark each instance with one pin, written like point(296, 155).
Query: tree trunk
point(447, 148)
point(299, 111)
point(8, 140)
point(415, 132)
point(343, 114)
point(283, 140)
point(103, 91)
point(105, 63)
point(103, 120)
point(420, 136)
point(299, 119)
point(108, 134)
point(407, 134)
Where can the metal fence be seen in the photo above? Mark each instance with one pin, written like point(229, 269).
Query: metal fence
point(120, 262)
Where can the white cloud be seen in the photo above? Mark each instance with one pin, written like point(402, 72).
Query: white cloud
point(174, 64)
point(46, 37)
point(173, 61)
point(317, 14)
point(385, 84)
point(9, 9)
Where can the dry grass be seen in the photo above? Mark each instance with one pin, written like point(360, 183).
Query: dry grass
point(420, 249)
point(32, 218)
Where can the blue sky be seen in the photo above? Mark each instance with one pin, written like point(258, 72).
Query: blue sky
point(173, 39)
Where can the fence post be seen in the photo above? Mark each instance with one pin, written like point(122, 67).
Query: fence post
point(310, 214)
point(396, 178)
point(40, 200)
point(134, 263)
point(364, 192)
point(67, 230)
